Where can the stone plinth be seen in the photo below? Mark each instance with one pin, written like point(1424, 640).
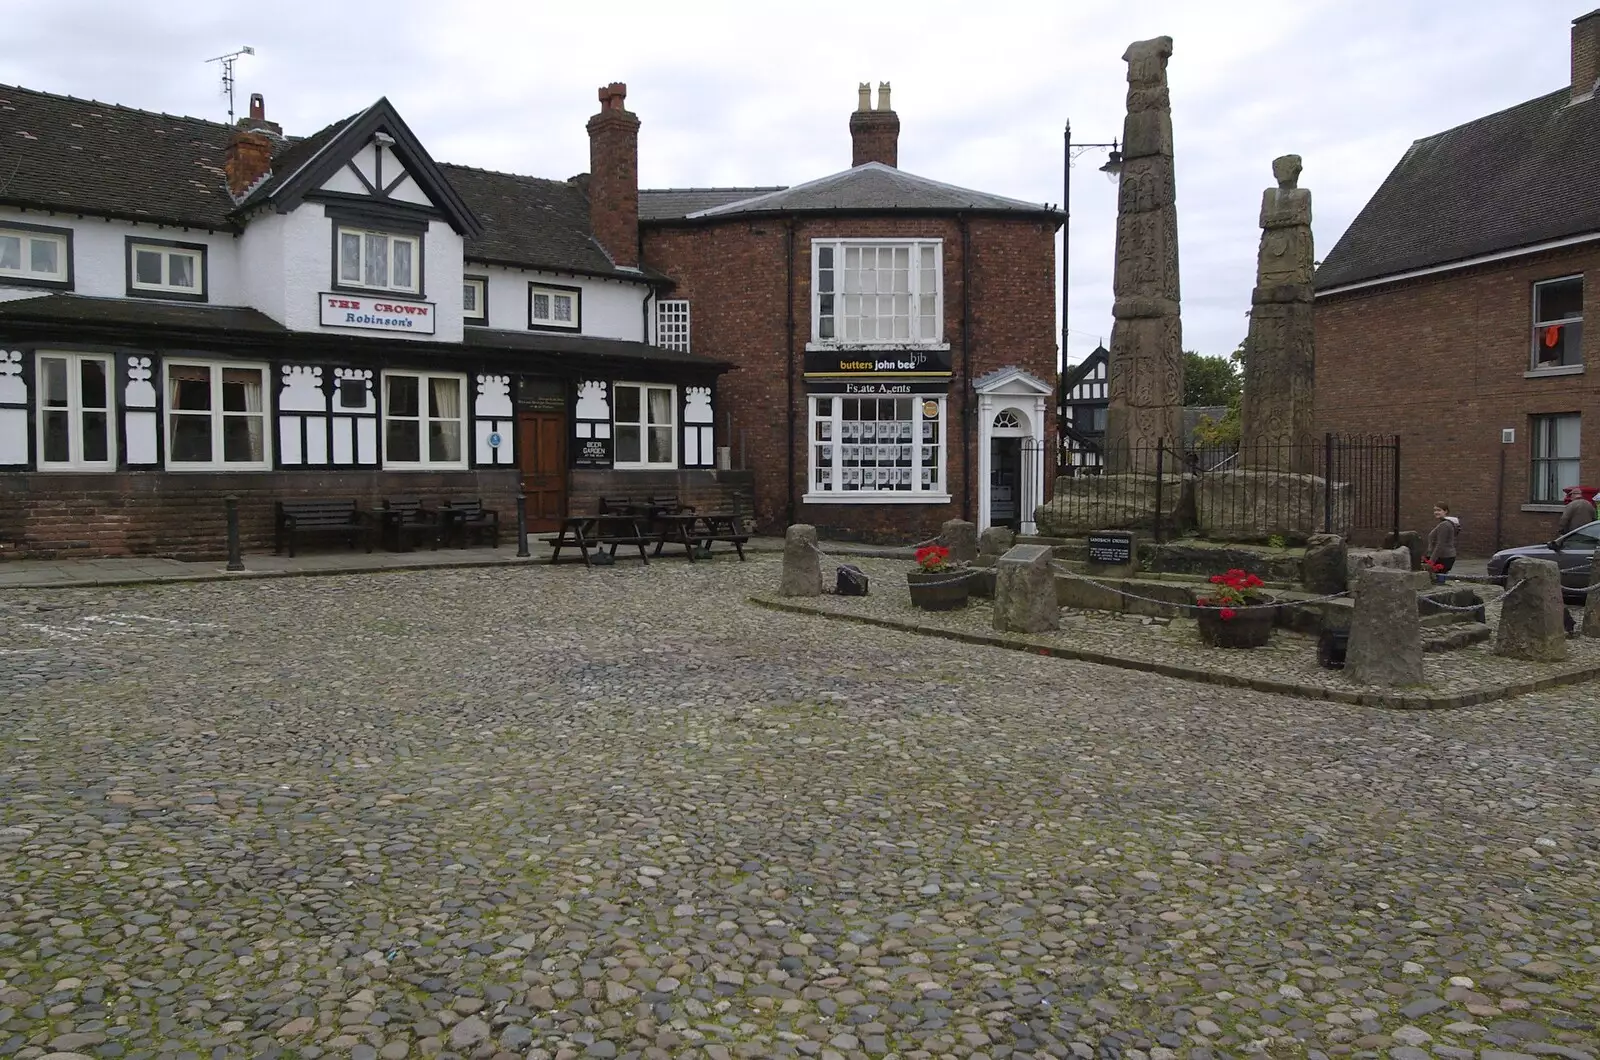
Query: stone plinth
point(1025, 591)
point(996, 541)
point(1252, 505)
point(1385, 630)
point(961, 538)
point(1082, 503)
point(802, 564)
point(1324, 570)
point(1530, 615)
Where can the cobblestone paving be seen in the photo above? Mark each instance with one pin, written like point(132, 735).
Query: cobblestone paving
point(616, 813)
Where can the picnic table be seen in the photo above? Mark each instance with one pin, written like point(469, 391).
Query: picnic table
point(585, 532)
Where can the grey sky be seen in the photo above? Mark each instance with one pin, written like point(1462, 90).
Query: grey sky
point(748, 93)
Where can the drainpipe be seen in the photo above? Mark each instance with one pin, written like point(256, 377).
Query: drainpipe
point(967, 422)
point(788, 297)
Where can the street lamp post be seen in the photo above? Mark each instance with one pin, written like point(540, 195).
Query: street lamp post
point(1113, 170)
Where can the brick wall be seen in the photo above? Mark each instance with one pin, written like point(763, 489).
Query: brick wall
point(733, 275)
point(1441, 362)
point(182, 516)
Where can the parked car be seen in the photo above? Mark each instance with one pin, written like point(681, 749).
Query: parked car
point(1573, 552)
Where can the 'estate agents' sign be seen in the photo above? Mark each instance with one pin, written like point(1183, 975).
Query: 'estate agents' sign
point(376, 314)
point(1111, 549)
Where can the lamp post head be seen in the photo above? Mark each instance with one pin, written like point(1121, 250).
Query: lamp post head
point(1113, 167)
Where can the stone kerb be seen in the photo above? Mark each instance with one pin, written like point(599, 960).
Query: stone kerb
point(1025, 591)
point(1530, 615)
point(802, 564)
point(961, 538)
point(1385, 630)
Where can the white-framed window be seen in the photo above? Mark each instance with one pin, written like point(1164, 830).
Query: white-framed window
point(1558, 323)
point(868, 292)
point(550, 306)
point(35, 255)
point(74, 417)
point(475, 300)
point(379, 261)
point(166, 269)
point(216, 416)
point(645, 418)
point(424, 420)
point(672, 324)
point(1555, 457)
point(877, 448)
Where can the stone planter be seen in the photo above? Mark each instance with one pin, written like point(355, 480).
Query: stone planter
point(1246, 629)
point(944, 591)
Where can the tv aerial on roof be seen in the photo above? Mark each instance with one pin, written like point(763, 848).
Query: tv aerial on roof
point(227, 62)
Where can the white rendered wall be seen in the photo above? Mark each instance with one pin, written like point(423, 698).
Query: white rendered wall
point(610, 309)
point(100, 256)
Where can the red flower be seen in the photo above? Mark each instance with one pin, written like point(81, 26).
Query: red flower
point(1227, 614)
point(932, 557)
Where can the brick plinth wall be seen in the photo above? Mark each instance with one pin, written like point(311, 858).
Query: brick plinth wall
point(183, 516)
point(1441, 362)
point(705, 491)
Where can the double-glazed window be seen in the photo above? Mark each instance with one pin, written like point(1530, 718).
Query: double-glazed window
point(74, 420)
point(34, 255)
point(167, 270)
point(876, 447)
point(1558, 323)
point(216, 416)
point(424, 420)
point(1555, 457)
point(646, 425)
point(876, 292)
point(379, 261)
point(554, 307)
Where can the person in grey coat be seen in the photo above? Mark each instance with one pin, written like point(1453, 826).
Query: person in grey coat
point(1442, 539)
point(1578, 512)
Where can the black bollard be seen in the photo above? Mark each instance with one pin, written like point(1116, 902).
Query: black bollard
point(522, 526)
point(235, 560)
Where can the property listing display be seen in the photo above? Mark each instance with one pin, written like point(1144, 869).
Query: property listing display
point(878, 445)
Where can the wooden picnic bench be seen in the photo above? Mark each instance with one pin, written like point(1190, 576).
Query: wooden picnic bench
point(463, 517)
point(320, 517)
point(599, 532)
point(406, 520)
point(722, 526)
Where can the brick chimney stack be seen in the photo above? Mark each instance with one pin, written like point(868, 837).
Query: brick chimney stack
point(249, 154)
point(614, 176)
point(874, 134)
point(1585, 55)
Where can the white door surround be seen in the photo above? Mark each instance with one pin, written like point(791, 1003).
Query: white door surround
point(1023, 395)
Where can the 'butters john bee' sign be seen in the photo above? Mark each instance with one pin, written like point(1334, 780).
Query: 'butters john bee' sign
point(870, 363)
point(376, 314)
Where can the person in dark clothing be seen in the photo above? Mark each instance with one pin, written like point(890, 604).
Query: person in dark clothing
point(1442, 539)
point(1578, 512)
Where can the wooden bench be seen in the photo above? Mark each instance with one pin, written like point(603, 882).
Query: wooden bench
point(405, 520)
point(326, 518)
point(671, 505)
point(721, 526)
point(599, 532)
point(463, 517)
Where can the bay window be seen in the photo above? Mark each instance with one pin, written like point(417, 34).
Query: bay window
point(885, 292)
point(424, 420)
point(890, 449)
point(74, 420)
point(645, 418)
point(216, 416)
point(379, 261)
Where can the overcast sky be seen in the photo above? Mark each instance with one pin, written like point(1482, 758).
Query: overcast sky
point(744, 93)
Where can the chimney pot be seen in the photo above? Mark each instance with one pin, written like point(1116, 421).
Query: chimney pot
point(613, 182)
point(864, 97)
point(1585, 55)
point(883, 95)
point(874, 134)
point(258, 107)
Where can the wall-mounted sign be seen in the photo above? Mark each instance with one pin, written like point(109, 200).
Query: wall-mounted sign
point(1111, 548)
point(541, 395)
point(848, 363)
point(876, 389)
point(376, 314)
point(495, 440)
point(591, 452)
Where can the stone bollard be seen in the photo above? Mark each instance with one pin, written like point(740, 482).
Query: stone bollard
point(1324, 570)
point(1025, 591)
point(1530, 614)
point(996, 541)
point(1591, 606)
point(802, 564)
point(1360, 559)
point(1385, 630)
point(961, 538)
point(1414, 543)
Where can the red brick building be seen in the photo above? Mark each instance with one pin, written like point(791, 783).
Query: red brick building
point(1451, 312)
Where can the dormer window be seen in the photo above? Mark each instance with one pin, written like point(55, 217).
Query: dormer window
point(379, 261)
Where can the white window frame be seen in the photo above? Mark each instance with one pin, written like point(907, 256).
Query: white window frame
point(644, 463)
point(217, 415)
point(167, 253)
point(415, 287)
point(25, 270)
point(481, 285)
point(553, 291)
point(834, 491)
point(1542, 432)
point(839, 248)
point(672, 324)
point(1534, 366)
point(422, 419)
point(74, 410)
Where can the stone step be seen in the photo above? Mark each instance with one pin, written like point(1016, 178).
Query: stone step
point(1456, 636)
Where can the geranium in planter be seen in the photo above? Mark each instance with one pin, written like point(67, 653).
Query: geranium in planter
point(937, 584)
point(1237, 614)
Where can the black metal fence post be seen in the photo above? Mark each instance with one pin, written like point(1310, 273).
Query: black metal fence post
point(1397, 487)
point(235, 560)
point(522, 525)
point(1161, 448)
point(1327, 483)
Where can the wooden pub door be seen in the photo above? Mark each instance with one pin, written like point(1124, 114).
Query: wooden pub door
point(543, 463)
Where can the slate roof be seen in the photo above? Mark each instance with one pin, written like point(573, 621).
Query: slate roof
point(1519, 177)
point(136, 312)
point(530, 221)
point(668, 204)
point(877, 188)
point(584, 347)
